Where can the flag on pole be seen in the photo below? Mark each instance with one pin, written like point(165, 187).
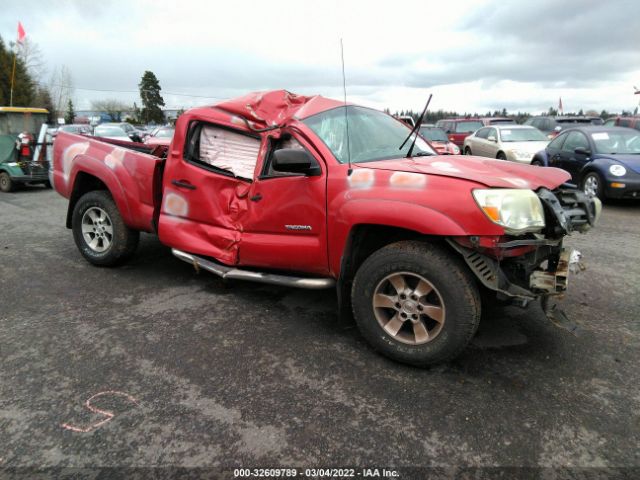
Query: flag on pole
point(21, 33)
point(560, 106)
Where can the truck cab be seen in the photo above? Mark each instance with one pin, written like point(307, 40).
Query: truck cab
point(20, 142)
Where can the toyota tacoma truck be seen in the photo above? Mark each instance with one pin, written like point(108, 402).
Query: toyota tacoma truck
point(309, 192)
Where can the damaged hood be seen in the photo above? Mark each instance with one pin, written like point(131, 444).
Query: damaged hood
point(486, 171)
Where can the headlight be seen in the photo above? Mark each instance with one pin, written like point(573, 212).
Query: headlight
point(455, 149)
point(521, 154)
point(517, 210)
point(617, 170)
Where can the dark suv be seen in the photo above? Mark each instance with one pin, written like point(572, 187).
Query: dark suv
point(551, 126)
point(457, 129)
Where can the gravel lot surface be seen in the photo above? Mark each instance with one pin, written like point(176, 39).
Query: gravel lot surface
point(227, 375)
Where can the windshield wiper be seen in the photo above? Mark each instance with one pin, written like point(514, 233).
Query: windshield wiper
point(415, 129)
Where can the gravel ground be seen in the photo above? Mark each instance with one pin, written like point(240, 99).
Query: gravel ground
point(195, 372)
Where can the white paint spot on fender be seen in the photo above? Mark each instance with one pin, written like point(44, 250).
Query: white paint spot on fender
point(175, 204)
point(408, 180)
point(69, 154)
point(361, 178)
point(115, 158)
point(445, 167)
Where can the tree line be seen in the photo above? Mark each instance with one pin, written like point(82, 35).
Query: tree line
point(32, 90)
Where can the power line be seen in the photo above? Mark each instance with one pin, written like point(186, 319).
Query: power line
point(129, 91)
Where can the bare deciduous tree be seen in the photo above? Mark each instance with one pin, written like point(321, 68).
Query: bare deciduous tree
point(113, 108)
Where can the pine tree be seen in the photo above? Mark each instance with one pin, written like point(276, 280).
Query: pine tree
point(152, 101)
point(24, 87)
point(70, 116)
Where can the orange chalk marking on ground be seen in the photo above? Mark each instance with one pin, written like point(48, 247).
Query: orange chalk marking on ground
point(94, 409)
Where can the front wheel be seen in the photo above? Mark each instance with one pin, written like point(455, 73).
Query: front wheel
point(501, 156)
point(99, 231)
point(592, 185)
point(416, 303)
point(467, 151)
point(536, 163)
point(6, 184)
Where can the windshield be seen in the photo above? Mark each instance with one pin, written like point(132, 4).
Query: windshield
point(165, 133)
point(468, 127)
point(522, 135)
point(617, 142)
point(373, 135)
point(110, 132)
point(434, 134)
point(15, 123)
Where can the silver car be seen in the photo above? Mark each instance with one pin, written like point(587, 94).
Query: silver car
point(518, 143)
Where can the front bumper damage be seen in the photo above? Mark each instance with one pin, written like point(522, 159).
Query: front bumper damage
point(535, 266)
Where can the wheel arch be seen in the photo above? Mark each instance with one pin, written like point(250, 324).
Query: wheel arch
point(85, 182)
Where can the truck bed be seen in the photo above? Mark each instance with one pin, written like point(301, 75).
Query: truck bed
point(130, 171)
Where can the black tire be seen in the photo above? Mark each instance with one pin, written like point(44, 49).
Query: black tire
point(6, 184)
point(467, 151)
point(501, 156)
point(536, 163)
point(47, 185)
point(590, 179)
point(123, 241)
point(454, 285)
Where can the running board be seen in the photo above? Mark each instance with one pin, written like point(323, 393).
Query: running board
point(230, 272)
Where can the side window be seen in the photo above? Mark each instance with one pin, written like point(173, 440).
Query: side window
point(624, 122)
point(482, 133)
point(285, 142)
point(556, 143)
point(222, 150)
point(548, 124)
point(575, 140)
point(492, 133)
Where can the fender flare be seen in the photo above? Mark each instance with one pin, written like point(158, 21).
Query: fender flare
point(91, 166)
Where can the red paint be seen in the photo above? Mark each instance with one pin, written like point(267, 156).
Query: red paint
point(240, 222)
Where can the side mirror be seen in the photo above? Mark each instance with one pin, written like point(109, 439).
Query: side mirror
point(491, 138)
point(582, 151)
point(293, 160)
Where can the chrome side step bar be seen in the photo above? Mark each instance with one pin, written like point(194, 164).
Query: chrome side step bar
point(231, 272)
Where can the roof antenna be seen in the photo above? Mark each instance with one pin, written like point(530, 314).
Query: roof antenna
point(346, 117)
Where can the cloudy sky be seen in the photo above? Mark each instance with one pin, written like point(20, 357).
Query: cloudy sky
point(472, 55)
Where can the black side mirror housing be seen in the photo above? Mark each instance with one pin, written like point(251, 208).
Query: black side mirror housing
point(293, 160)
point(582, 151)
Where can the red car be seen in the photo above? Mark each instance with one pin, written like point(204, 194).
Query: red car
point(457, 129)
point(438, 140)
point(160, 136)
point(629, 122)
point(269, 187)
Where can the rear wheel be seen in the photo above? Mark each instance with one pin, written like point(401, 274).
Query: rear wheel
point(99, 231)
point(501, 156)
point(6, 184)
point(416, 303)
point(467, 151)
point(592, 185)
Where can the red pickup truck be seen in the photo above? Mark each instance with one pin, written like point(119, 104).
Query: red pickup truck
point(273, 187)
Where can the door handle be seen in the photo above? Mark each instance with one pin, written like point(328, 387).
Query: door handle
point(256, 198)
point(183, 184)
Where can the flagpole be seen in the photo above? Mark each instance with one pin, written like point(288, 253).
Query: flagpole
point(13, 75)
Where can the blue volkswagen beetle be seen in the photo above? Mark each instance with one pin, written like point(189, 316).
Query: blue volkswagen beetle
point(603, 161)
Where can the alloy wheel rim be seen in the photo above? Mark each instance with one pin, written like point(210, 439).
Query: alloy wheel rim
point(409, 308)
point(591, 186)
point(97, 229)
